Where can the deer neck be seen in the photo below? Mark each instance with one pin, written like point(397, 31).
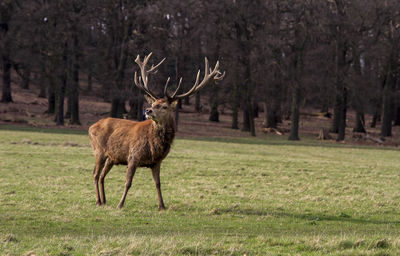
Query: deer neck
point(164, 132)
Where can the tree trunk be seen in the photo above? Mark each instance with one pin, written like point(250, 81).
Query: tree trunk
point(120, 59)
point(186, 101)
point(214, 115)
point(26, 78)
point(358, 103)
point(271, 120)
point(51, 99)
point(197, 103)
point(179, 104)
point(375, 118)
point(42, 92)
point(272, 113)
point(133, 109)
point(397, 115)
point(139, 107)
point(340, 73)
point(265, 110)
point(343, 111)
point(136, 106)
point(62, 87)
point(89, 78)
point(248, 112)
point(7, 9)
point(69, 105)
point(386, 128)
point(235, 107)
point(360, 122)
point(255, 109)
point(295, 114)
point(75, 82)
point(176, 118)
point(325, 107)
point(60, 102)
point(297, 69)
point(6, 90)
point(337, 110)
point(388, 97)
point(24, 72)
point(246, 118)
point(44, 81)
point(116, 107)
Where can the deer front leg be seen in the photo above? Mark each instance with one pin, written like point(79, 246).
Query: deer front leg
point(107, 167)
point(156, 176)
point(130, 171)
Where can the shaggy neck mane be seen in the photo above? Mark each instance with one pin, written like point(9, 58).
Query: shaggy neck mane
point(164, 133)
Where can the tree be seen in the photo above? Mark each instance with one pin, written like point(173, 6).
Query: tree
point(7, 10)
point(392, 35)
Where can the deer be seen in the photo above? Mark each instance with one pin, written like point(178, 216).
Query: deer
point(141, 144)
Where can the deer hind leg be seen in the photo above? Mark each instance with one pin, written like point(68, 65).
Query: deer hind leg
point(156, 176)
point(107, 167)
point(96, 175)
point(130, 172)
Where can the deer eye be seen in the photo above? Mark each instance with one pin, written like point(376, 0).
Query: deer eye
point(164, 107)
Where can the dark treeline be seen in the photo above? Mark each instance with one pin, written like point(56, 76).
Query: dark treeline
point(282, 55)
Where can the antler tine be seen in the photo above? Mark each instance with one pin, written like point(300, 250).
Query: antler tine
point(138, 82)
point(143, 80)
point(206, 67)
point(165, 88)
point(153, 68)
point(197, 78)
point(216, 66)
point(177, 88)
point(195, 84)
point(137, 60)
point(209, 74)
point(220, 76)
point(146, 59)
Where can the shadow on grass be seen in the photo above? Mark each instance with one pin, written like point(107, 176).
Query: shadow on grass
point(308, 216)
point(172, 223)
point(308, 142)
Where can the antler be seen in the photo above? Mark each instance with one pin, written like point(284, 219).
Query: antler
point(209, 75)
point(143, 80)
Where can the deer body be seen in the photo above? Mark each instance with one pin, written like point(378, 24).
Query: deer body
point(148, 141)
point(140, 144)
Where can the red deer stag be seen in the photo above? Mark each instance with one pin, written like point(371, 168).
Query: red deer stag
point(141, 144)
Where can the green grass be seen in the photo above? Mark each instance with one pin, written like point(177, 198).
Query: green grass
point(224, 197)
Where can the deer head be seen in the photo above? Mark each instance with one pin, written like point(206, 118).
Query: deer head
point(160, 111)
point(162, 108)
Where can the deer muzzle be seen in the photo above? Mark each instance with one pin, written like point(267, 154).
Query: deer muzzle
point(149, 113)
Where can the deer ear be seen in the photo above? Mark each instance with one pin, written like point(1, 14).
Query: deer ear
point(149, 99)
point(173, 104)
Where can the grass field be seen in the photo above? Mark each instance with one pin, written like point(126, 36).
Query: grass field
point(223, 197)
